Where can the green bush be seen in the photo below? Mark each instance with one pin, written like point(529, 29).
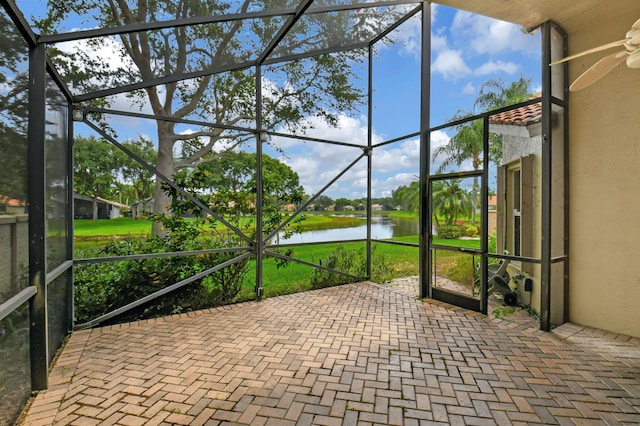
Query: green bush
point(461, 269)
point(103, 287)
point(471, 231)
point(352, 262)
point(450, 232)
point(493, 243)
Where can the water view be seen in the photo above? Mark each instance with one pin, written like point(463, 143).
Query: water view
point(382, 227)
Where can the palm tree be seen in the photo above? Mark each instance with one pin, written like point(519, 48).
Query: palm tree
point(410, 196)
point(467, 143)
point(493, 94)
point(451, 201)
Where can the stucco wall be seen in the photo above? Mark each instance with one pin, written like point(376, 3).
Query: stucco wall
point(605, 185)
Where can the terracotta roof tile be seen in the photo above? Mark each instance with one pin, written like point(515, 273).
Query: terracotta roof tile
point(522, 116)
point(12, 202)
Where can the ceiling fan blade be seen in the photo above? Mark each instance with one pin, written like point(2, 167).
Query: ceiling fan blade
point(598, 70)
point(594, 50)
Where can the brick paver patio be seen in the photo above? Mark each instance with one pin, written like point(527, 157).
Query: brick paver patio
point(358, 354)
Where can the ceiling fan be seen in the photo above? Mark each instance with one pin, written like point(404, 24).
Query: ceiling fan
point(630, 53)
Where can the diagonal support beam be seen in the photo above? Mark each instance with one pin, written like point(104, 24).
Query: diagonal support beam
point(312, 199)
point(168, 181)
point(313, 265)
point(162, 292)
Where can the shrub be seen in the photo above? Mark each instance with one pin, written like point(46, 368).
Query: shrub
point(471, 231)
point(450, 232)
point(103, 287)
point(461, 269)
point(352, 262)
point(493, 243)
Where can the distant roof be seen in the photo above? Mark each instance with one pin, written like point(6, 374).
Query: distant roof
point(522, 116)
point(11, 202)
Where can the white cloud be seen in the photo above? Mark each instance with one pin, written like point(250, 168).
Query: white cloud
point(384, 188)
point(492, 67)
point(405, 156)
point(306, 167)
point(469, 89)
point(491, 36)
point(408, 35)
point(451, 65)
point(108, 52)
point(438, 138)
point(438, 42)
point(318, 163)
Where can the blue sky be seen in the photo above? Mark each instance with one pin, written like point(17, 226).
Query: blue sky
point(467, 50)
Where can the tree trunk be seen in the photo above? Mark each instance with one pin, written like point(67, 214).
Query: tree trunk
point(474, 200)
point(165, 165)
point(94, 207)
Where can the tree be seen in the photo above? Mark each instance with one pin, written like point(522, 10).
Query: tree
point(95, 162)
point(321, 85)
point(228, 187)
point(408, 196)
point(493, 93)
point(13, 111)
point(467, 143)
point(450, 201)
point(133, 174)
point(236, 172)
point(324, 201)
point(341, 203)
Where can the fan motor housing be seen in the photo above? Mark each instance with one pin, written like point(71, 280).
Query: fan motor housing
point(633, 60)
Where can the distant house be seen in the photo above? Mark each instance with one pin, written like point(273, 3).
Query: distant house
point(140, 207)
point(349, 207)
point(83, 207)
point(289, 207)
point(11, 205)
point(315, 207)
point(493, 202)
point(377, 207)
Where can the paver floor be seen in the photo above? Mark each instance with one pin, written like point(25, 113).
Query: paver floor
point(360, 354)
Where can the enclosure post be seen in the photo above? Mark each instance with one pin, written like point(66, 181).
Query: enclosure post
point(484, 218)
point(565, 79)
point(545, 273)
point(259, 248)
point(70, 214)
point(36, 193)
point(425, 112)
point(369, 156)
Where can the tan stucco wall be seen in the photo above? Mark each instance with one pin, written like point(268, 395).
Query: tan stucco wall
point(605, 185)
point(604, 159)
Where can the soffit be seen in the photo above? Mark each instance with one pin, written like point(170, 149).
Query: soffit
point(569, 14)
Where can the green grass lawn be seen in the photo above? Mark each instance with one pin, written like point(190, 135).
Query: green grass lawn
point(85, 228)
point(294, 277)
point(123, 226)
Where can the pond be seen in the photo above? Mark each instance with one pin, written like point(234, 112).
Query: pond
point(382, 227)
